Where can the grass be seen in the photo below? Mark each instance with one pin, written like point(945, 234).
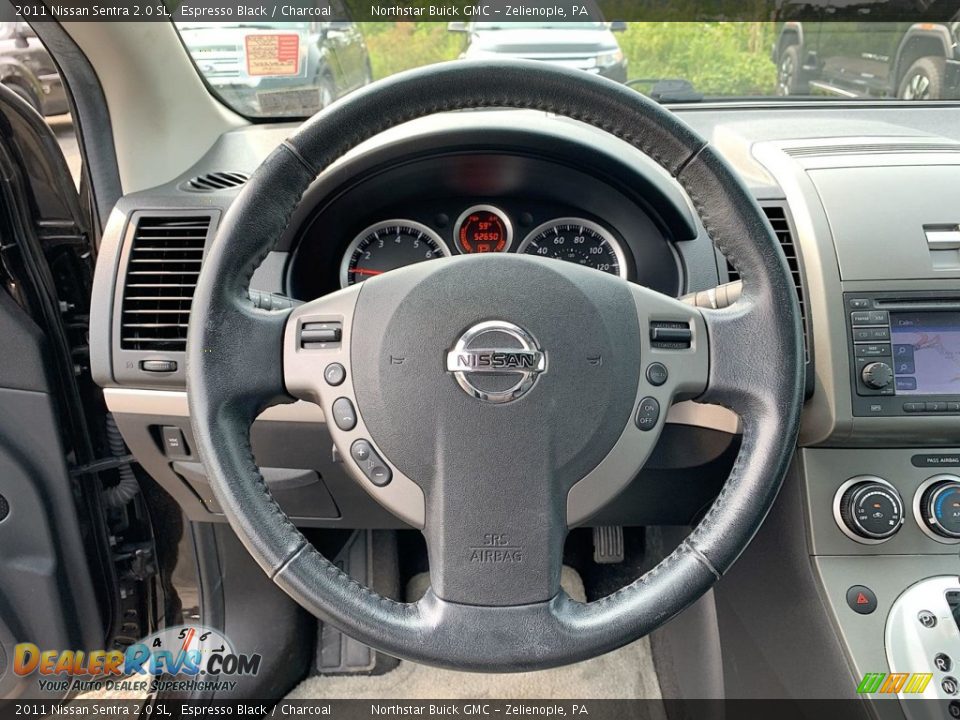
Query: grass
point(718, 58)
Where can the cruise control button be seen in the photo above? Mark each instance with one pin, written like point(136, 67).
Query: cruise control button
point(370, 464)
point(343, 414)
point(647, 414)
point(334, 374)
point(657, 374)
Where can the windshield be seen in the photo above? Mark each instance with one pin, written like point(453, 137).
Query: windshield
point(294, 69)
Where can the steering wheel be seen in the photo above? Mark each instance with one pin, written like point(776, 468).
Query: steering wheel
point(494, 401)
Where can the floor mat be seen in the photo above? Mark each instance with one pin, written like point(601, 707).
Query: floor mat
point(623, 674)
point(627, 673)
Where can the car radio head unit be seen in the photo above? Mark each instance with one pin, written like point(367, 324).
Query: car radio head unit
point(905, 353)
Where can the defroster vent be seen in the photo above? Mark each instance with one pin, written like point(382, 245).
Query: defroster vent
point(162, 271)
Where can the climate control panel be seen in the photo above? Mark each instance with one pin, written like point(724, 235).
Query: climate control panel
point(870, 510)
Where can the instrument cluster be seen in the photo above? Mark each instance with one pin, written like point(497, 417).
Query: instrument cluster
point(417, 209)
point(481, 228)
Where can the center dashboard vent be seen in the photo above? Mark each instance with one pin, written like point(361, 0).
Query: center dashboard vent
point(162, 271)
point(777, 215)
point(213, 181)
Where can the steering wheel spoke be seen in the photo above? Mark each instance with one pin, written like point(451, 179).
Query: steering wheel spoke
point(317, 368)
point(674, 352)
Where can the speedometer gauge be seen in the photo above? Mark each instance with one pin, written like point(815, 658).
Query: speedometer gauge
point(386, 246)
point(579, 241)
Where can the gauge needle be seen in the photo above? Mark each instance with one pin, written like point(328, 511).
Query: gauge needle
point(360, 271)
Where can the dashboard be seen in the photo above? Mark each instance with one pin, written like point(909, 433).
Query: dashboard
point(468, 204)
point(870, 514)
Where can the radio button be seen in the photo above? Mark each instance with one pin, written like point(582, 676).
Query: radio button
point(953, 407)
point(906, 384)
point(913, 407)
point(870, 317)
point(936, 407)
point(859, 303)
point(873, 350)
point(869, 334)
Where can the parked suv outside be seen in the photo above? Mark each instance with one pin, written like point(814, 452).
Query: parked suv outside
point(909, 61)
point(279, 68)
point(589, 46)
point(27, 68)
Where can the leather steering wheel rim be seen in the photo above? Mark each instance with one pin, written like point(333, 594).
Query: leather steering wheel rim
point(755, 354)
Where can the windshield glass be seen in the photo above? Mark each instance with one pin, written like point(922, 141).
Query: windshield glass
point(293, 69)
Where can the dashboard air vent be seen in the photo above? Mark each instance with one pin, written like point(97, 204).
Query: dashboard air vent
point(213, 181)
point(781, 226)
point(777, 216)
point(162, 272)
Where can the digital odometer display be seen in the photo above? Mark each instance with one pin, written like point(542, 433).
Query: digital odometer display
point(387, 246)
point(578, 241)
point(483, 229)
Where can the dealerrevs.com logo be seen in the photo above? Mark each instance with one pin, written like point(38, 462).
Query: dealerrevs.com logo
point(190, 657)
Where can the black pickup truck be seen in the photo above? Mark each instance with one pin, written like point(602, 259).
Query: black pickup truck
point(840, 51)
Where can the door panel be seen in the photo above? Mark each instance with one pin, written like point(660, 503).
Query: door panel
point(47, 592)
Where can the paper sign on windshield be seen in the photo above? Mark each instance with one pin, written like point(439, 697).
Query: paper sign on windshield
point(273, 54)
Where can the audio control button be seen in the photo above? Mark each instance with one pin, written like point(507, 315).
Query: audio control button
point(877, 375)
point(873, 350)
point(370, 463)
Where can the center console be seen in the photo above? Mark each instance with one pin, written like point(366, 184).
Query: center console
point(878, 467)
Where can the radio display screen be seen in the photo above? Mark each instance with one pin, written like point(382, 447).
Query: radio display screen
point(926, 352)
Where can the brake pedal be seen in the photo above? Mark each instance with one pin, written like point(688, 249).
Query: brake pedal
point(608, 544)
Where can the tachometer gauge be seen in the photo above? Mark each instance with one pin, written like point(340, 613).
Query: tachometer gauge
point(579, 241)
point(483, 229)
point(389, 245)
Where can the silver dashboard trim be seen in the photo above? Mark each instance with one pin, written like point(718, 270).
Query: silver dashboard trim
point(173, 403)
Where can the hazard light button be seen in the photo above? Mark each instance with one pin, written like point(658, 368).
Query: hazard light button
point(861, 599)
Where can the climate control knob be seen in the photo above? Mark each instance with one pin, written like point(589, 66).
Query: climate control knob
point(877, 375)
point(870, 508)
point(940, 507)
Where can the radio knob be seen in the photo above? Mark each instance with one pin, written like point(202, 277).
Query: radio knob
point(940, 505)
point(877, 375)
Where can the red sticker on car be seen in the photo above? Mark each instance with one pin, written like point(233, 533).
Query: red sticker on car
point(273, 54)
